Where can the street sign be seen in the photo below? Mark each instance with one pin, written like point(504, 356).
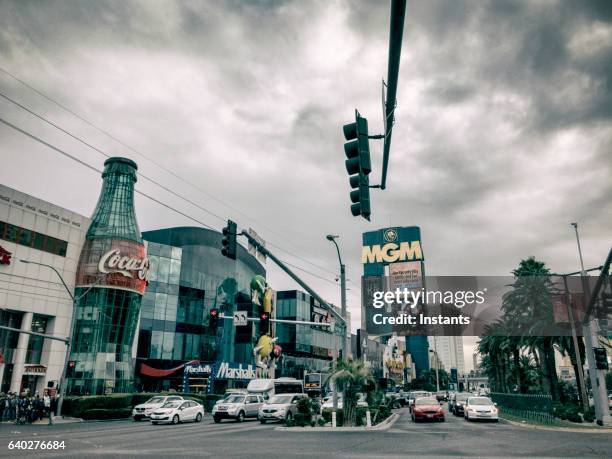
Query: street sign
point(253, 250)
point(240, 318)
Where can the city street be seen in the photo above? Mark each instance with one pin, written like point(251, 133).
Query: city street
point(455, 437)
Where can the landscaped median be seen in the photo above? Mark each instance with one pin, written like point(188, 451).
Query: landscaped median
point(384, 425)
point(119, 406)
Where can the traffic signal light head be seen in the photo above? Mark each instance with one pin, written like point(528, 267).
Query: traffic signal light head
point(358, 165)
point(601, 358)
point(213, 319)
point(228, 241)
point(264, 323)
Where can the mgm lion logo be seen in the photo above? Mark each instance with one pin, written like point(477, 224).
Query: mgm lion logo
point(390, 235)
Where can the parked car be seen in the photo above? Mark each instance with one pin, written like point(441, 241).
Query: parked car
point(427, 408)
point(456, 404)
point(281, 407)
point(178, 411)
point(238, 407)
point(145, 409)
point(480, 408)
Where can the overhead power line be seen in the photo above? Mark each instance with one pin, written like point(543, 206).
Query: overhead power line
point(83, 163)
point(161, 166)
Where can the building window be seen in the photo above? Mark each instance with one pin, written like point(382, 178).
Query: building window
point(28, 238)
point(35, 343)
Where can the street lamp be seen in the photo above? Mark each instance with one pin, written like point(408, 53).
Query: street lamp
point(332, 238)
point(70, 331)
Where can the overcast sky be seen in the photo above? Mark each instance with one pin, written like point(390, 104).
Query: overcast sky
point(502, 135)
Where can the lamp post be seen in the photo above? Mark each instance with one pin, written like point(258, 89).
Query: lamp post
point(332, 239)
point(68, 341)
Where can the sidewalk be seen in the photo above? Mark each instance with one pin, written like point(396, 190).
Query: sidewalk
point(578, 428)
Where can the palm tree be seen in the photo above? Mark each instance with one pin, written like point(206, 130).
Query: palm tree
point(350, 378)
point(528, 311)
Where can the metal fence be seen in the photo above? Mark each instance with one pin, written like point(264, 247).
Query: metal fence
point(530, 406)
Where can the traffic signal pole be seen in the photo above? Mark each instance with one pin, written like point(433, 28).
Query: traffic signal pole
point(396, 32)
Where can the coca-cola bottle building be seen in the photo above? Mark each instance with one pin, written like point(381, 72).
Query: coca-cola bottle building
point(110, 281)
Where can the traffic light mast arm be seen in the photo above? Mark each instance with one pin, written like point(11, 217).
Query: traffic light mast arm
point(396, 31)
point(264, 251)
point(18, 330)
point(281, 321)
point(605, 269)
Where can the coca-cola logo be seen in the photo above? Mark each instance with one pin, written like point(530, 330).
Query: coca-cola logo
point(113, 262)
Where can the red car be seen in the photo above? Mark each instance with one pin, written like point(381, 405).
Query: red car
point(427, 409)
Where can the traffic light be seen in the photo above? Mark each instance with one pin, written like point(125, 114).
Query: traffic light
point(601, 358)
point(358, 165)
point(229, 240)
point(264, 323)
point(213, 319)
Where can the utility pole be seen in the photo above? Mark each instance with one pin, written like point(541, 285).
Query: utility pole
point(597, 377)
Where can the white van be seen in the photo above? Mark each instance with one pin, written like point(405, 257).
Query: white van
point(269, 387)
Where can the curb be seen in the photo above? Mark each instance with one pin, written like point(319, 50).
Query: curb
point(557, 429)
point(386, 424)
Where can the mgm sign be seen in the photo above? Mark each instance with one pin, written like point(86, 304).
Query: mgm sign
point(391, 258)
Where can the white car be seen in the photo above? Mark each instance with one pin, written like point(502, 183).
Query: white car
point(480, 408)
point(238, 407)
point(145, 409)
point(279, 407)
point(178, 411)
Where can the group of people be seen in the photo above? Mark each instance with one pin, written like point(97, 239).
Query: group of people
point(25, 408)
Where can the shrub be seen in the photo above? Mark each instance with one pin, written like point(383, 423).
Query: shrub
point(327, 415)
point(567, 411)
point(301, 420)
point(360, 416)
point(320, 422)
point(289, 423)
point(589, 415)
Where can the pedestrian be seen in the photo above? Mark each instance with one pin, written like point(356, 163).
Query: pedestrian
point(14, 402)
point(47, 406)
point(2, 405)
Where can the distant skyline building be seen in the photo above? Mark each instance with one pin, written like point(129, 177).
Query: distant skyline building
point(450, 351)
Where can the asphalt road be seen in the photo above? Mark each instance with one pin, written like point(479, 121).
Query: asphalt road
point(250, 439)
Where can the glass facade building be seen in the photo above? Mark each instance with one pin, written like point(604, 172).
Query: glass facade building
point(188, 277)
point(305, 347)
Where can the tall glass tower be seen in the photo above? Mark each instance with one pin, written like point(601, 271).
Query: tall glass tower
point(111, 279)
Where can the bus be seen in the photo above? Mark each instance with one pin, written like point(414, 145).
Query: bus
point(313, 384)
point(269, 387)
